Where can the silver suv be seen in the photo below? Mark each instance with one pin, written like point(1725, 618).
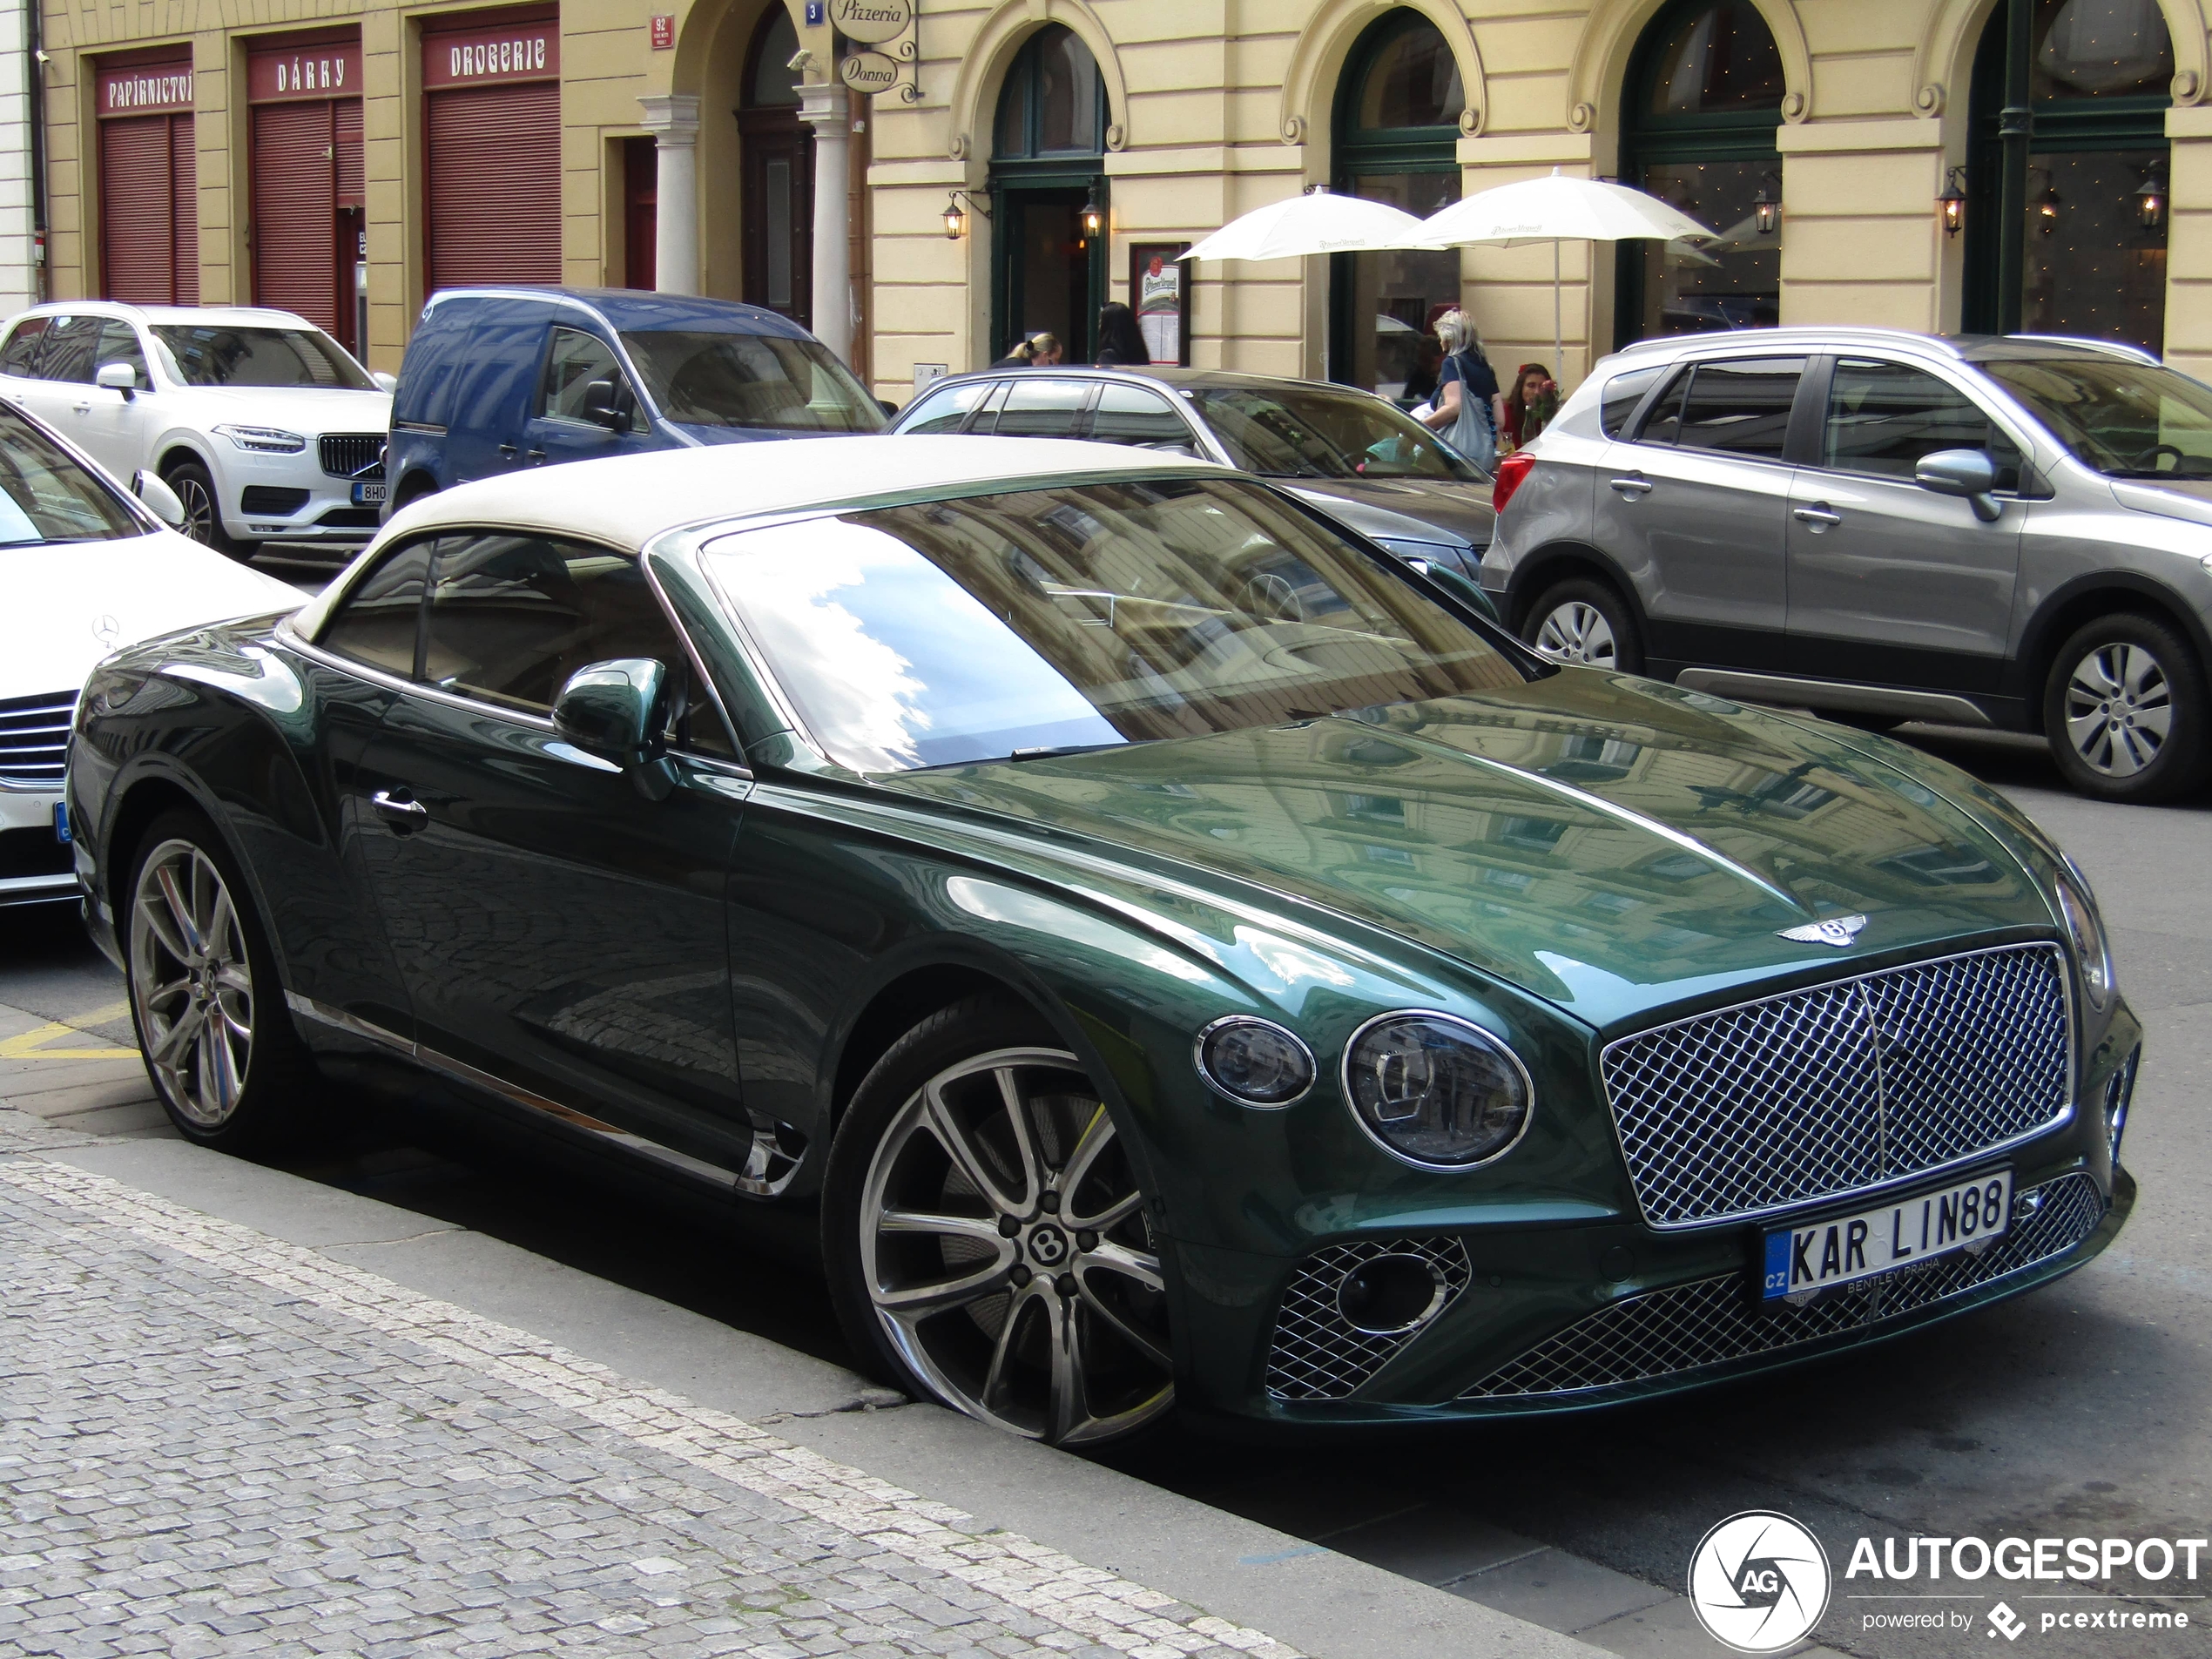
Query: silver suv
point(1886, 527)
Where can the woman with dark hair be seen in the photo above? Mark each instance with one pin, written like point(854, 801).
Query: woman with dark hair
point(1119, 341)
point(1529, 406)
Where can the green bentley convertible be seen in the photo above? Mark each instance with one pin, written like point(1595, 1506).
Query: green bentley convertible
point(1183, 957)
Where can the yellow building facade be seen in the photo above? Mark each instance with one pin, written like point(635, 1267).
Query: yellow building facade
point(1851, 155)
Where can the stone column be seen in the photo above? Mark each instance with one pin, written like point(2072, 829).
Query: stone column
point(673, 119)
point(824, 108)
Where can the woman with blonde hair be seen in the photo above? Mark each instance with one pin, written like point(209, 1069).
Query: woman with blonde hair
point(1466, 391)
point(1038, 350)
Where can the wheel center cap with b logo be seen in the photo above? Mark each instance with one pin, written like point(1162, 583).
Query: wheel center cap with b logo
point(1049, 1246)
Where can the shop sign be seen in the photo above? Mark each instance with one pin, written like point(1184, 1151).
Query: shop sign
point(333, 70)
point(144, 89)
point(528, 51)
point(871, 21)
point(869, 72)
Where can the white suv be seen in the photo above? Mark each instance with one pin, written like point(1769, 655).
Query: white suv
point(268, 430)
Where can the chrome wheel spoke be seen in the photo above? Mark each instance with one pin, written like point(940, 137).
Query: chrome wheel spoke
point(1071, 1395)
point(979, 1228)
point(915, 1301)
point(1017, 1115)
point(1146, 1346)
point(178, 936)
point(1112, 1216)
point(1130, 1263)
point(171, 1044)
point(967, 1156)
point(161, 994)
point(996, 1396)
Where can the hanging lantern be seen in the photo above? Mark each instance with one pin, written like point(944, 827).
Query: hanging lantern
point(2047, 208)
point(1951, 205)
point(1766, 213)
point(2150, 200)
point(956, 214)
point(1094, 215)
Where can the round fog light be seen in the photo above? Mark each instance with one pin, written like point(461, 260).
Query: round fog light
point(1391, 1294)
point(1254, 1062)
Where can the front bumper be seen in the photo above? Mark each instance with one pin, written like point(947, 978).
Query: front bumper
point(325, 513)
point(35, 864)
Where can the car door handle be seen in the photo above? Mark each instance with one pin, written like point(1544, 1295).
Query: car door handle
point(1633, 486)
point(507, 452)
point(1819, 517)
point(534, 455)
point(403, 815)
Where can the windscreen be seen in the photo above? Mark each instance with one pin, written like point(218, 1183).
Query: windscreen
point(1300, 433)
point(217, 355)
point(2126, 420)
point(761, 381)
point(1081, 616)
point(45, 496)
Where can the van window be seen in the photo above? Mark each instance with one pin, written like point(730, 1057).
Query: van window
point(698, 378)
point(576, 363)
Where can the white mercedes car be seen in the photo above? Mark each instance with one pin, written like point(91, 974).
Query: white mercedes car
point(263, 425)
point(87, 569)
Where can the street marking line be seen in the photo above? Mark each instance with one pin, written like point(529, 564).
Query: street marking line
point(1088, 1601)
point(30, 1045)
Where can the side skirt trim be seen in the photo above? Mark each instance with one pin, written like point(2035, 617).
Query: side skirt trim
point(1939, 706)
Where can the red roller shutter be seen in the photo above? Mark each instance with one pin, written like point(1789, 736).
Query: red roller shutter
point(492, 118)
point(149, 209)
point(296, 211)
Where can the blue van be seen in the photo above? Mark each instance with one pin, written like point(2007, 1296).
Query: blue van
point(497, 379)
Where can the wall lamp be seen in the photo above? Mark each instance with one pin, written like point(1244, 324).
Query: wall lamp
point(1766, 213)
point(1094, 215)
point(2047, 208)
point(957, 215)
point(1951, 205)
point(2150, 200)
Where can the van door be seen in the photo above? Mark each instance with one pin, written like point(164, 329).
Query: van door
point(497, 385)
point(581, 375)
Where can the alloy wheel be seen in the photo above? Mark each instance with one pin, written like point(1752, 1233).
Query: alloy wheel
point(1578, 632)
point(190, 983)
point(1007, 1255)
point(2118, 709)
point(199, 509)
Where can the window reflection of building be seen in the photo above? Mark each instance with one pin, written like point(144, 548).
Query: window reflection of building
point(1396, 142)
point(2093, 233)
point(1702, 103)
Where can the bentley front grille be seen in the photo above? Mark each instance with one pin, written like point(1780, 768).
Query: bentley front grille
point(1318, 1352)
point(1848, 1085)
point(1709, 1322)
point(33, 740)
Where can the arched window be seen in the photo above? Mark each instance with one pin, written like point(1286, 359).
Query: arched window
point(1397, 141)
point(1700, 106)
point(777, 164)
point(2083, 249)
point(1048, 181)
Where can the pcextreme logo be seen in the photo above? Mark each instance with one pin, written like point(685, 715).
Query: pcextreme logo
point(1759, 1581)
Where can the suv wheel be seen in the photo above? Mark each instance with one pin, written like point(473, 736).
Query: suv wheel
point(1587, 624)
point(986, 1239)
point(203, 517)
point(2125, 710)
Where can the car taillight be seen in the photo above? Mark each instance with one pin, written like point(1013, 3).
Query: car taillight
point(1511, 471)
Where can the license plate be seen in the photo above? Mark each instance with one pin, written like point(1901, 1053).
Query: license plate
point(367, 495)
point(1970, 1216)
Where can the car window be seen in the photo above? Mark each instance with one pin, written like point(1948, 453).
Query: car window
point(766, 380)
point(1131, 415)
point(380, 621)
point(1079, 615)
point(1882, 417)
point(1739, 407)
point(944, 410)
point(45, 496)
point(2126, 419)
point(511, 618)
point(1324, 432)
point(71, 345)
point(1042, 408)
point(20, 355)
point(574, 364)
point(221, 355)
point(119, 344)
point(1622, 394)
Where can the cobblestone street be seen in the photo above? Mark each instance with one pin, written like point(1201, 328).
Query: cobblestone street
point(214, 1442)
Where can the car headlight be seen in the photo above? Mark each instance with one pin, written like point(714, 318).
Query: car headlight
point(2085, 932)
point(265, 440)
point(1254, 1062)
point(1435, 1091)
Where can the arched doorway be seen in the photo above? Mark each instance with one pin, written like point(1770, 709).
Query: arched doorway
point(2083, 248)
point(777, 157)
point(1049, 195)
point(1700, 107)
point(1397, 141)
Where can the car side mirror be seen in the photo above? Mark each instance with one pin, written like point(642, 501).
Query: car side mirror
point(617, 711)
point(159, 497)
point(385, 381)
point(890, 409)
point(118, 377)
point(1454, 582)
point(1967, 473)
point(609, 404)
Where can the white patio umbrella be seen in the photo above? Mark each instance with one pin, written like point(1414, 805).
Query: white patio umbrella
point(1559, 209)
point(1318, 222)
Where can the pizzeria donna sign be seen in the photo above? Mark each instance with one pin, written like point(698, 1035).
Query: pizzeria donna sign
point(869, 72)
point(871, 22)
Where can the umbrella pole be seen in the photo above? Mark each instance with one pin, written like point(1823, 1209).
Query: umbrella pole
point(1559, 359)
